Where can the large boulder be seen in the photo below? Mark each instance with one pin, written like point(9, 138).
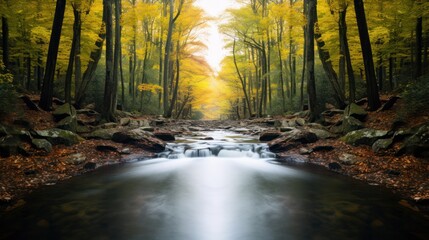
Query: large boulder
point(140, 138)
point(42, 144)
point(66, 117)
point(351, 124)
point(382, 144)
point(364, 136)
point(58, 136)
point(353, 110)
point(65, 110)
point(164, 135)
point(292, 139)
point(105, 134)
point(417, 144)
point(321, 133)
point(269, 136)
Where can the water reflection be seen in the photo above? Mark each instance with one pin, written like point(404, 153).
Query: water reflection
point(236, 195)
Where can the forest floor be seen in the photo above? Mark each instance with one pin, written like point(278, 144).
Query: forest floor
point(407, 176)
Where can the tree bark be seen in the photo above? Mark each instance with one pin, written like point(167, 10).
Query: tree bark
point(309, 43)
point(240, 77)
point(108, 110)
point(167, 53)
point(51, 62)
point(346, 50)
point(371, 81)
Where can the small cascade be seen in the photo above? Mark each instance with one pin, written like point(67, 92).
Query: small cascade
point(204, 152)
point(217, 149)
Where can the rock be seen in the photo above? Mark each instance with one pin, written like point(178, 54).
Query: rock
point(9, 145)
point(269, 136)
point(58, 136)
point(291, 140)
point(305, 151)
point(30, 104)
point(83, 129)
point(75, 159)
point(322, 134)
point(353, 110)
point(148, 129)
point(196, 129)
point(382, 144)
point(286, 129)
point(165, 135)
point(138, 123)
point(42, 144)
point(63, 111)
point(139, 138)
point(417, 144)
point(349, 159)
point(125, 151)
point(207, 138)
point(351, 124)
point(334, 166)
point(68, 123)
point(105, 134)
point(88, 112)
point(364, 136)
point(107, 125)
point(105, 148)
point(323, 148)
point(124, 121)
point(300, 122)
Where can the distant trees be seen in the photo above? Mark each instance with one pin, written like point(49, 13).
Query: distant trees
point(155, 61)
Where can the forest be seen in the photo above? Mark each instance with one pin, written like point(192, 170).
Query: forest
point(148, 56)
point(316, 111)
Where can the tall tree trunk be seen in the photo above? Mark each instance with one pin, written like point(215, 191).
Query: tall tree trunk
point(419, 46)
point(51, 62)
point(309, 43)
point(95, 56)
point(5, 41)
point(73, 57)
point(281, 84)
point(327, 66)
point(77, 59)
point(175, 88)
point(117, 52)
point(240, 77)
point(167, 53)
point(346, 51)
point(371, 81)
point(108, 111)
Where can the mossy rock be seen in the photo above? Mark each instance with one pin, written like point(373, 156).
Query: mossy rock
point(364, 136)
point(59, 136)
point(354, 110)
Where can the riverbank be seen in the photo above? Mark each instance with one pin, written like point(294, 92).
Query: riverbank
point(31, 168)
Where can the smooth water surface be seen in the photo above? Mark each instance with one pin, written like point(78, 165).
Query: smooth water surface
point(225, 189)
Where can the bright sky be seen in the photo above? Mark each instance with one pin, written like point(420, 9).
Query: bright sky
point(214, 39)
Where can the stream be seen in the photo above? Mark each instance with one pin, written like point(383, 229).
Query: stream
point(228, 188)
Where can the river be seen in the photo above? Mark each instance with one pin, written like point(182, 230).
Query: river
point(228, 188)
